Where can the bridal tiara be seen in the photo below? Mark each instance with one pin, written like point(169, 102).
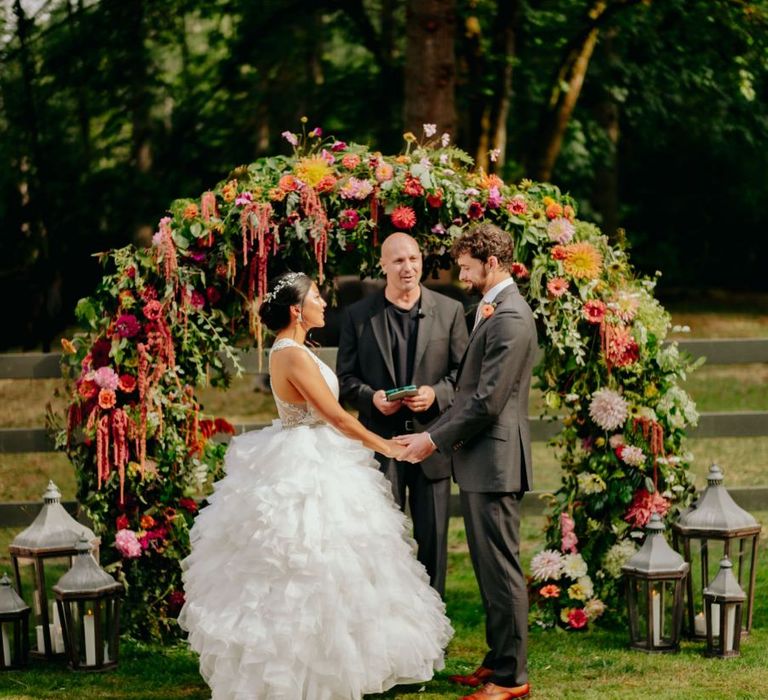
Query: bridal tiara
point(287, 281)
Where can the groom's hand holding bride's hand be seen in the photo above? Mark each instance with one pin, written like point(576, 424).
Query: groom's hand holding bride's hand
point(418, 447)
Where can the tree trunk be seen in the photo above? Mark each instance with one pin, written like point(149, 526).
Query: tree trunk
point(79, 74)
point(430, 65)
point(493, 122)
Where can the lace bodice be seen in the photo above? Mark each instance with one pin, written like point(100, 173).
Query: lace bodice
point(293, 414)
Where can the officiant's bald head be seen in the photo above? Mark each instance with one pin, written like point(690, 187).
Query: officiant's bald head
point(401, 262)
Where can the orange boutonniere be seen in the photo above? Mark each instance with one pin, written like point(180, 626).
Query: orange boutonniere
point(486, 310)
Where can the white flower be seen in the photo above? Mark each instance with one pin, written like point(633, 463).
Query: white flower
point(560, 230)
point(494, 154)
point(443, 158)
point(547, 564)
point(615, 440)
point(574, 566)
point(617, 556)
point(290, 138)
point(445, 139)
point(430, 130)
point(608, 409)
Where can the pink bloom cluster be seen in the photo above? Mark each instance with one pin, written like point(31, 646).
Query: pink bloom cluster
point(568, 533)
point(127, 544)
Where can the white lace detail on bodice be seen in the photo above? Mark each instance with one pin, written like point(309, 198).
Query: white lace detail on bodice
point(295, 414)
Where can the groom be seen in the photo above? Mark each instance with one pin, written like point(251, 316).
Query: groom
point(487, 435)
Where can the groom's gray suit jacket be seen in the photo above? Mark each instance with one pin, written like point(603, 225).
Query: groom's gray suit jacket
point(486, 430)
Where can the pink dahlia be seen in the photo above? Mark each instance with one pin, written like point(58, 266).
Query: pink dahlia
point(350, 161)
point(560, 230)
point(355, 188)
point(127, 544)
point(348, 219)
point(403, 218)
point(608, 409)
point(384, 172)
point(127, 326)
point(106, 378)
point(594, 311)
point(152, 309)
point(632, 455)
point(568, 534)
point(517, 205)
point(557, 286)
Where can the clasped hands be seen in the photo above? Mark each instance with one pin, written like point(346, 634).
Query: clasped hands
point(418, 446)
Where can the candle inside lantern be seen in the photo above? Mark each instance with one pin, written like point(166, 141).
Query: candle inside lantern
point(715, 620)
point(730, 615)
point(6, 645)
point(656, 617)
point(700, 625)
point(40, 640)
point(57, 637)
point(90, 639)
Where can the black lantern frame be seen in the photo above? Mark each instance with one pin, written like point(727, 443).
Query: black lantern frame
point(88, 601)
point(654, 578)
point(48, 546)
point(14, 628)
point(713, 528)
point(723, 603)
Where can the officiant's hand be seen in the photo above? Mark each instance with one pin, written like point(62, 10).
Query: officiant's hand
point(384, 406)
point(418, 447)
point(422, 401)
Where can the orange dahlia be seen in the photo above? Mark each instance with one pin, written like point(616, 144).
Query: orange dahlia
point(582, 260)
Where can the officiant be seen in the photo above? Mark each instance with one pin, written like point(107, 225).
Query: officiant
point(406, 335)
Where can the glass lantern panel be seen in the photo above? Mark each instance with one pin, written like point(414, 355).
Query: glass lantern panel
point(93, 631)
point(705, 564)
point(8, 632)
point(724, 613)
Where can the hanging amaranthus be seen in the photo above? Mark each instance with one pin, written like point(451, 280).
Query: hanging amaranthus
point(318, 228)
point(120, 422)
point(208, 206)
point(167, 250)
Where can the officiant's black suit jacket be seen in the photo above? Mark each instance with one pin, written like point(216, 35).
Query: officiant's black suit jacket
point(365, 363)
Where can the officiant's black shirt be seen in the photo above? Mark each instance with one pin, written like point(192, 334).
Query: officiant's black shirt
point(403, 326)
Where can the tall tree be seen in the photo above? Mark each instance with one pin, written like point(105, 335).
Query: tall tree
point(430, 65)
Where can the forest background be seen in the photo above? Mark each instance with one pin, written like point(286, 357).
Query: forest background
point(651, 114)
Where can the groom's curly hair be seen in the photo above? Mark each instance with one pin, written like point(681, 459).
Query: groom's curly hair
point(481, 241)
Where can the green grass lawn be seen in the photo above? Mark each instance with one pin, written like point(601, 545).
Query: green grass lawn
point(575, 665)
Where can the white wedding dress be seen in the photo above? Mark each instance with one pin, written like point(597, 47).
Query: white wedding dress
point(302, 583)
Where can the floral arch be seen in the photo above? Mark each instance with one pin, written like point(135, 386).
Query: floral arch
point(164, 318)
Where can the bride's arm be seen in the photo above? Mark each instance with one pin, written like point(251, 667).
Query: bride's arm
point(303, 374)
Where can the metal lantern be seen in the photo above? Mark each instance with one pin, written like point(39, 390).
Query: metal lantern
point(723, 601)
point(654, 580)
point(14, 627)
point(88, 600)
point(40, 554)
point(715, 527)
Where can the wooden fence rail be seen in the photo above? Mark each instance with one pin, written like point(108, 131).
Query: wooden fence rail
point(737, 424)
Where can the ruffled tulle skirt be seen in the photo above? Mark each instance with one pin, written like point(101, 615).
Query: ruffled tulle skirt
point(302, 582)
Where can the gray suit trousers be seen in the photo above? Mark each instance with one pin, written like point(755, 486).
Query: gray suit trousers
point(492, 522)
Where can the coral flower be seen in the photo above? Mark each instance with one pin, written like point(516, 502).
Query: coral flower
point(582, 260)
point(550, 591)
point(107, 399)
point(384, 172)
point(559, 253)
point(87, 389)
point(643, 505)
point(520, 271)
point(68, 346)
point(350, 161)
point(554, 210)
point(435, 200)
point(152, 309)
point(147, 522)
point(517, 205)
point(412, 187)
point(326, 184)
point(557, 286)
point(486, 310)
point(190, 212)
point(475, 210)
point(127, 383)
point(594, 311)
point(312, 170)
point(288, 183)
point(403, 218)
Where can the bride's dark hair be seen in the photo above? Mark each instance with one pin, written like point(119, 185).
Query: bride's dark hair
point(283, 291)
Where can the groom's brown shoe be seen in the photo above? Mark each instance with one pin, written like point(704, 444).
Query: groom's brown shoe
point(491, 691)
point(474, 679)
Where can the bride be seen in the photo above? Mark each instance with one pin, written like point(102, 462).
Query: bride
point(302, 582)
